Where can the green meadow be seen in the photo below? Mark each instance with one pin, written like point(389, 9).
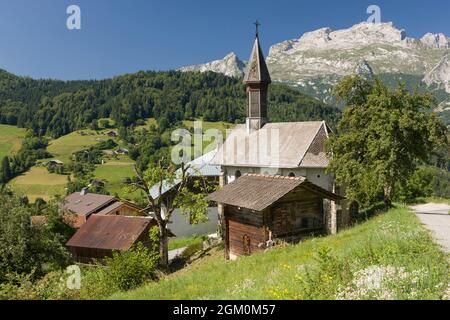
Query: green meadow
point(11, 139)
point(63, 147)
point(113, 172)
point(39, 183)
point(390, 256)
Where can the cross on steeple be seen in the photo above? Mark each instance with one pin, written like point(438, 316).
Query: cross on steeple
point(257, 24)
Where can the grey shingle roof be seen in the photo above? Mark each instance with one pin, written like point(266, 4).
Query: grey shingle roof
point(257, 192)
point(276, 145)
point(86, 204)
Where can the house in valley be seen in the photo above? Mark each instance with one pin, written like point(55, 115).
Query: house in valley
point(112, 134)
point(122, 151)
point(285, 189)
point(55, 163)
point(101, 235)
point(80, 206)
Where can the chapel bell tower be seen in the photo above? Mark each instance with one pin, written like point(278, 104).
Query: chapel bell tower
point(257, 80)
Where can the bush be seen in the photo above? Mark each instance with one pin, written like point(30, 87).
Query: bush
point(426, 182)
point(129, 269)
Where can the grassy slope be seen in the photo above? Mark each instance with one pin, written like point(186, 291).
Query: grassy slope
point(10, 139)
point(392, 239)
point(63, 147)
point(185, 242)
point(39, 183)
point(113, 172)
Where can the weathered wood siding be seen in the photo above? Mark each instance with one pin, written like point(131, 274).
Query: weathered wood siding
point(125, 210)
point(299, 212)
point(245, 231)
point(88, 255)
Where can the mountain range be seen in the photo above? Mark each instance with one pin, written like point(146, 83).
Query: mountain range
point(316, 61)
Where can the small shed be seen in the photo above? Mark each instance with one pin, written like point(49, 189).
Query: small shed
point(111, 134)
point(261, 209)
point(97, 183)
point(103, 234)
point(55, 163)
point(122, 151)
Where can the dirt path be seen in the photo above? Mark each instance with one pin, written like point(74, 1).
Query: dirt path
point(436, 218)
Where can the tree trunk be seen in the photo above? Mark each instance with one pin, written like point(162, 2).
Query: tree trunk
point(353, 211)
point(163, 246)
point(388, 191)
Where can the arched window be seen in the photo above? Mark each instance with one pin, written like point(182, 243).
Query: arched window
point(237, 174)
point(291, 174)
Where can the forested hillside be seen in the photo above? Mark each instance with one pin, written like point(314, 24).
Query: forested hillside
point(55, 108)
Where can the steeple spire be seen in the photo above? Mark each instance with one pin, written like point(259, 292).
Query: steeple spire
point(257, 24)
point(257, 80)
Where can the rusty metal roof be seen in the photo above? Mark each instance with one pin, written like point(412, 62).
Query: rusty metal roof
point(257, 192)
point(109, 232)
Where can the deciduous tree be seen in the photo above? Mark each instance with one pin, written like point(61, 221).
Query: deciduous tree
point(383, 135)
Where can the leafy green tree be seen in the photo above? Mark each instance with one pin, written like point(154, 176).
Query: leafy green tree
point(162, 205)
point(27, 247)
point(6, 173)
point(383, 136)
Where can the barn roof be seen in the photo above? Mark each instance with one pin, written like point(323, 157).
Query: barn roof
point(86, 203)
point(257, 192)
point(109, 232)
point(276, 145)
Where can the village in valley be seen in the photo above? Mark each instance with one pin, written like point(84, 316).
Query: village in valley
point(196, 184)
point(283, 193)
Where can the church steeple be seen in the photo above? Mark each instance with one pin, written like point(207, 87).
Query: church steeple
point(257, 80)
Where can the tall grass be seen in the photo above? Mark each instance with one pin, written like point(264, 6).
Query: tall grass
point(390, 256)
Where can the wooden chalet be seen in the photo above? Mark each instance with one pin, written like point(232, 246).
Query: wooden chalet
point(78, 207)
point(101, 235)
point(261, 209)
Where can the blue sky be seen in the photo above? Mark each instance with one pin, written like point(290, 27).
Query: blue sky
point(120, 36)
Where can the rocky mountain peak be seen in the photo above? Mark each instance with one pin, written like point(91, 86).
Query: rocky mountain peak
point(230, 66)
point(316, 61)
point(364, 69)
point(436, 40)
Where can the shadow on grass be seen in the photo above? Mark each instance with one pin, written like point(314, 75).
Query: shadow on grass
point(369, 213)
point(191, 254)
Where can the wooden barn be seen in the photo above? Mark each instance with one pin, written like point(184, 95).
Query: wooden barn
point(103, 234)
point(80, 206)
point(261, 209)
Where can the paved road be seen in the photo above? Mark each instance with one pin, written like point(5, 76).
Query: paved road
point(436, 218)
point(175, 253)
